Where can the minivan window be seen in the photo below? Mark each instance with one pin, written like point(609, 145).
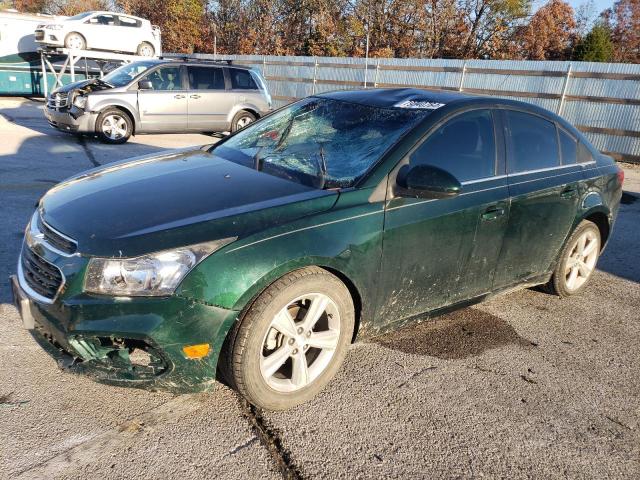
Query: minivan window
point(464, 146)
point(206, 78)
point(533, 142)
point(568, 148)
point(165, 78)
point(242, 80)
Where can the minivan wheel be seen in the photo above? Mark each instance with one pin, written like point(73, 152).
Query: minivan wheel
point(114, 126)
point(241, 120)
point(577, 261)
point(75, 41)
point(291, 341)
point(145, 49)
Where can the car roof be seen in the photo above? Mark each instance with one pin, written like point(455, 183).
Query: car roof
point(398, 97)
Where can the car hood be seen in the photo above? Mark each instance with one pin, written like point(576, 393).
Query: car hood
point(174, 199)
point(85, 86)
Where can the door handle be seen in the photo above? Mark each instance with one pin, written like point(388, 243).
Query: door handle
point(569, 192)
point(492, 213)
point(178, 96)
point(194, 96)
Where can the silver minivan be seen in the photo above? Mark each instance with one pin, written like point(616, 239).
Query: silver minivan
point(161, 96)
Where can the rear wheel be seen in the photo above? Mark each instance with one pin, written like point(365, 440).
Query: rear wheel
point(114, 126)
point(241, 120)
point(577, 261)
point(291, 341)
point(145, 49)
point(75, 41)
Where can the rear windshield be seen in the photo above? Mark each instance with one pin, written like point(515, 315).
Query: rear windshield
point(320, 142)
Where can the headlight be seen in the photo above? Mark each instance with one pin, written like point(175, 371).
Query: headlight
point(80, 101)
point(53, 27)
point(155, 274)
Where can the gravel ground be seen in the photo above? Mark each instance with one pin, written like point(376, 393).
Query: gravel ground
point(524, 385)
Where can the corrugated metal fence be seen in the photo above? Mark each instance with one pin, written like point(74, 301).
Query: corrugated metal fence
point(602, 100)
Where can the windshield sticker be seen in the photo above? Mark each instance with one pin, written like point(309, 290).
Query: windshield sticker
point(419, 104)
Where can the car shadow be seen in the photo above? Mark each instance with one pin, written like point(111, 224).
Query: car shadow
point(460, 334)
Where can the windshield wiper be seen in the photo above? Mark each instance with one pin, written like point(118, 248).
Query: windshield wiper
point(323, 166)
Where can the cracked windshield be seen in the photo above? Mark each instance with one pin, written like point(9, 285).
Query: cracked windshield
point(319, 142)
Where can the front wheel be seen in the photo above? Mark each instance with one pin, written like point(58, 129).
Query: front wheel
point(75, 41)
point(291, 341)
point(114, 126)
point(577, 260)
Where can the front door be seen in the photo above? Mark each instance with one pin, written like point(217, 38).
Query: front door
point(438, 252)
point(209, 101)
point(544, 191)
point(164, 107)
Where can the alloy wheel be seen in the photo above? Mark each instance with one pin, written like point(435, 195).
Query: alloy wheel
point(582, 259)
point(300, 342)
point(243, 122)
point(146, 50)
point(114, 127)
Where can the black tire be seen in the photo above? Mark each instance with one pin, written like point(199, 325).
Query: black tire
point(70, 35)
point(560, 280)
point(241, 353)
point(241, 117)
point(143, 50)
point(125, 125)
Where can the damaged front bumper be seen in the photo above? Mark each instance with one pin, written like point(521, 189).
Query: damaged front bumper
point(129, 342)
point(72, 119)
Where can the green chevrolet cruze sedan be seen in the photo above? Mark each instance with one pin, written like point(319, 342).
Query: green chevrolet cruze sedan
point(259, 259)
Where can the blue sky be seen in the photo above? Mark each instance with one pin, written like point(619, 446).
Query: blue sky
point(598, 5)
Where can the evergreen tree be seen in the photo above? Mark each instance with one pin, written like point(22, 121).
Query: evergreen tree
point(596, 46)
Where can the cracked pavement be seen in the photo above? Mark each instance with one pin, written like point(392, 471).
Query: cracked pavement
point(524, 385)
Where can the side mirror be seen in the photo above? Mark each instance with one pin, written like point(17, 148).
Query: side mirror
point(426, 181)
point(145, 85)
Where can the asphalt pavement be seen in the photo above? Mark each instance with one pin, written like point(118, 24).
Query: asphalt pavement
point(524, 385)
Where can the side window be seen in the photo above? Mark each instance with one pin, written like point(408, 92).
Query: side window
point(165, 78)
point(584, 154)
point(128, 22)
point(568, 148)
point(206, 78)
point(102, 19)
point(242, 80)
point(533, 141)
point(464, 146)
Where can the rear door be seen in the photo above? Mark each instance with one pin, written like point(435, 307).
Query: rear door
point(129, 34)
point(437, 252)
point(544, 191)
point(164, 108)
point(209, 101)
point(101, 32)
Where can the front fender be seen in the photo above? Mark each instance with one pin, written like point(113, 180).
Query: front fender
point(103, 104)
point(347, 239)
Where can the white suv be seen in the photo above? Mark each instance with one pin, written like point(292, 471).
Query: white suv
point(102, 31)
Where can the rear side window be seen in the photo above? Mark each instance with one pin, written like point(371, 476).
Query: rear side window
point(129, 22)
point(206, 78)
point(584, 154)
point(533, 141)
point(242, 80)
point(568, 148)
point(464, 146)
point(102, 19)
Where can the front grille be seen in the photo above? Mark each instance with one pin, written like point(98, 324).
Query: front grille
point(58, 100)
point(55, 239)
point(39, 35)
point(41, 276)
